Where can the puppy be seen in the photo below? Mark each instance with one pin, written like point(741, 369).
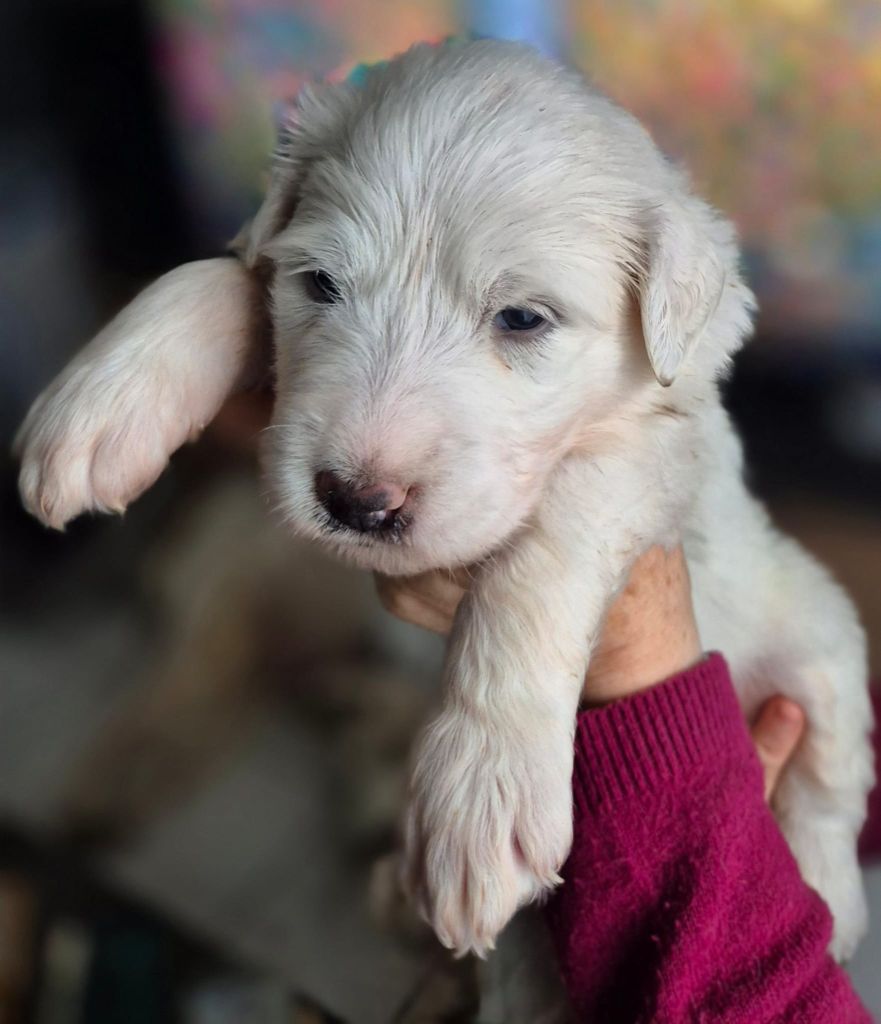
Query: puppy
point(498, 319)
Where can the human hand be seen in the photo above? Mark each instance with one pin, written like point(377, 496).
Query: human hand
point(649, 634)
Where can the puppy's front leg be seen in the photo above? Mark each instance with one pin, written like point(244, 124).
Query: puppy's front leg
point(104, 429)
point(490, 821)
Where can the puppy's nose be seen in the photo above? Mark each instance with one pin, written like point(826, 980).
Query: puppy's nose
point(366, 509)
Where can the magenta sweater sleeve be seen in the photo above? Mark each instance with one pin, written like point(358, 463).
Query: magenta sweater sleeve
point(681, 900)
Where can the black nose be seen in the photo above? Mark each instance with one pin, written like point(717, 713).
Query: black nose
point(367, 509)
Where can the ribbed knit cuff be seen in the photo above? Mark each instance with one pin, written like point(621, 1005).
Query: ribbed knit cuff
point(638, 743)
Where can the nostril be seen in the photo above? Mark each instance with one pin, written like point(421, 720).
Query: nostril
point(366, 509)
point(329, 487)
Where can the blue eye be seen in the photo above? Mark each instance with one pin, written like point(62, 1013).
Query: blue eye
point(321, 287)
point(513, 319)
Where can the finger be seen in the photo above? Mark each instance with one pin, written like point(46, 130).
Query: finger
point(776, 733)
point(429, 600)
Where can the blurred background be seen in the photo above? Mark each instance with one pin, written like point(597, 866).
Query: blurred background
point(203, 724)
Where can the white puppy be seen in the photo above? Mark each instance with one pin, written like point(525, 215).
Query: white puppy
point(500, 317)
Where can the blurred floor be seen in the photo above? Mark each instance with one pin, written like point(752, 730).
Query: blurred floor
point(247, 749)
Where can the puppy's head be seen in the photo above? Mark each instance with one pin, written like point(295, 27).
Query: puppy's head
point(475, 262)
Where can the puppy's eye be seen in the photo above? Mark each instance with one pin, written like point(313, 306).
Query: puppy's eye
point(321, 287)
point(513, 319)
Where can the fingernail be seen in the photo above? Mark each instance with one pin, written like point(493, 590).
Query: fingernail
point(788, 711)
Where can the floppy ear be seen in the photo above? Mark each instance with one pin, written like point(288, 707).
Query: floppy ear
point(103, 430)
point(681, 280)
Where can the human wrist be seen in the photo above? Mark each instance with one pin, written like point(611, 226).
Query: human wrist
point(668, 730)
point(650, 633)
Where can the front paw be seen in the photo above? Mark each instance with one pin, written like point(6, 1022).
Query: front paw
point(103, 431)
point(489, 823)
point(93, 442)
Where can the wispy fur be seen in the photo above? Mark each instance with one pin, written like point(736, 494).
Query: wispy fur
point(456, 182)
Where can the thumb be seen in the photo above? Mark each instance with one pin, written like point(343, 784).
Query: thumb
point(776, 734)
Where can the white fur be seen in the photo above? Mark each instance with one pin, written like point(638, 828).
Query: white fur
point(103, 430)
point(460, 180)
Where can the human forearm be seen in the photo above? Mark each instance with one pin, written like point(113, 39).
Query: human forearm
point(681, 900)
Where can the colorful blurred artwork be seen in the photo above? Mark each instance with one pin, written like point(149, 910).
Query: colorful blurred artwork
point(773, 105)
point(230, 65)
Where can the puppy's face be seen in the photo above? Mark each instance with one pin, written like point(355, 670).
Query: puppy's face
point(431, 367)
point(451, 310)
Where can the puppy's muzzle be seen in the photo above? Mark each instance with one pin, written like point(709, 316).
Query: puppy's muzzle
point(376, 508)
